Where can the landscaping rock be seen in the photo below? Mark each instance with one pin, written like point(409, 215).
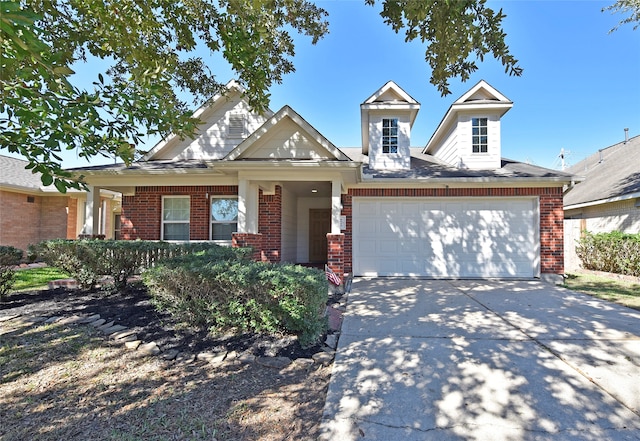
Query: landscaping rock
point(98, 323)
point(170, 355)
point(73, 320)
point(132, 345)
point(89, 319)
point(149, 348)
point(331, 341)
point(323, 358)
point(113, 329)
point(185, 357)
point(274, 362)
point(122, 334)
point(106, 326)
point(246, 357)
point(53, 319)
point(6, 318)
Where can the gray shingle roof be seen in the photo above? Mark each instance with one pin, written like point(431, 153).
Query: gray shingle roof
point(13, 174)
point(609, 173)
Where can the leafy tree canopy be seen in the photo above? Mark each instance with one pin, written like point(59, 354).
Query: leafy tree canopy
point(631, 7)
point(151, 47)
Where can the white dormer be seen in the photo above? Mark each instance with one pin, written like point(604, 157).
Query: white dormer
point(469, 134)
point(387, 117)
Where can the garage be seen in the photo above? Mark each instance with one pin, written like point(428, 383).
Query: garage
point(446, 237)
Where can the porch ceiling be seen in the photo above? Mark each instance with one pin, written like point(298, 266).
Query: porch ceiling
point(305, 188)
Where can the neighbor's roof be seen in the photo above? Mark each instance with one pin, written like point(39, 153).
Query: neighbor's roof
point(13, 174)
point(610, 174)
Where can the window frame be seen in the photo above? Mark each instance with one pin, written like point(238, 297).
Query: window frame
point(212, 198)
point(391, 147)
point(479, 146)
point(163, 222)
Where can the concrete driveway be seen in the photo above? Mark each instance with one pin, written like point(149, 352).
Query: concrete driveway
point(483, 360)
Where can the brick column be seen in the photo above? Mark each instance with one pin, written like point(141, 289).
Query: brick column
point(248, 240)
point(335, 253)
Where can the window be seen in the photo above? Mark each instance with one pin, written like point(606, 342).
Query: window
point(479, 135)
point(390, 135)
point(175, 217)
point(236, 126)
point(224, 218)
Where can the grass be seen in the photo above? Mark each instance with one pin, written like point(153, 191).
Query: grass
point(612, 289)
point(37, 277)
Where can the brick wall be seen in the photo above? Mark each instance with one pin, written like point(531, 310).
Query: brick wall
point(72, 219)
point(142, 213)
point(29, 219)
point(248, 240)
point(335, 253)
point(270, 224)
point(551, 216)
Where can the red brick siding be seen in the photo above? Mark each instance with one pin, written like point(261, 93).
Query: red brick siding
point(72, 219)
point(270, 224)
point(23, 223)
point(335, 253)
point(248, 240)
point(551, 216)
point(142, 213)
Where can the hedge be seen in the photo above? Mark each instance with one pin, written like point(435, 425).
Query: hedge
point(241, 295)
point(9, 256)
point(613, 252)
point(87, 261)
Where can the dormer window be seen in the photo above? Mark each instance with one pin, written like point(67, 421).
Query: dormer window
point(479, 135)
point(390, 135)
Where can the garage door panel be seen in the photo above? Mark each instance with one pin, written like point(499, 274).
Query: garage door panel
point(436, 238)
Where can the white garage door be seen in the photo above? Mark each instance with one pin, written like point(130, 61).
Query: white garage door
point(454, 237)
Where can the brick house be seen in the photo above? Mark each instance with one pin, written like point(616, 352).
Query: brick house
point(453, 208)
point(607, 198)
point(30, 212)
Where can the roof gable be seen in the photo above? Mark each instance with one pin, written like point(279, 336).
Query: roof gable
point(390, 93)
point(481, 99)
point(214, 139)
point(482, 91)
point(286, 135)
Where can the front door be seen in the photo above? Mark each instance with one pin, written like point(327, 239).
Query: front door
point(319, 227)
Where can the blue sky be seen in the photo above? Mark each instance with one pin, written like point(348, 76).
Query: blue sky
point(579, 90)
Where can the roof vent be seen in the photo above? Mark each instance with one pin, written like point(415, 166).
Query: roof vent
point(626, 135)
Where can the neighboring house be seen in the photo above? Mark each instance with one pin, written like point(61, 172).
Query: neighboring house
point(607, 198)
point(30, 212)
point(453, 209)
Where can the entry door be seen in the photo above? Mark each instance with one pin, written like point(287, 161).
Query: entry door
point(319, 227)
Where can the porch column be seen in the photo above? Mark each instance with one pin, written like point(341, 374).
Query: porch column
point(92, 212)
point(247, 207)
point(336, 205)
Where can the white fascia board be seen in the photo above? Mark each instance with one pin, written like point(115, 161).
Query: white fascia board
point(465, 182)
point(624, 197)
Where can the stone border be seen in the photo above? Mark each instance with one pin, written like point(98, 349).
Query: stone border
point(121, 335)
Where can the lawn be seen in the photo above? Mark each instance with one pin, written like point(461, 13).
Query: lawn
point(36, 278)
point(610, 288)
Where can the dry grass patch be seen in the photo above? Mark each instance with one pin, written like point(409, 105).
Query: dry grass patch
point(66, 382)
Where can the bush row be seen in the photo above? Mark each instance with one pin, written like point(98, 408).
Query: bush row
point(613, 252)
point(9, 256)
point(241, 295)
point(87, 261)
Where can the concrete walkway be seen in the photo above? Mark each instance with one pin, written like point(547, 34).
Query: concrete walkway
point(483, 360)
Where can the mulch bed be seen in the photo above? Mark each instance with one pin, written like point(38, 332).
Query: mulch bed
point(134, 310)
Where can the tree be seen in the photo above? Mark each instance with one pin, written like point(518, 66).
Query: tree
point(631, 7)
point(151, 47)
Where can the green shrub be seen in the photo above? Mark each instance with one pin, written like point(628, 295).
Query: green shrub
point(240, 294)
point(9, 256)
point(87, 261)
point(613, 252)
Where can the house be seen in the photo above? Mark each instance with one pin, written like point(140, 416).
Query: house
point(32, 213)
point(607, 199)
point(452, 209)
